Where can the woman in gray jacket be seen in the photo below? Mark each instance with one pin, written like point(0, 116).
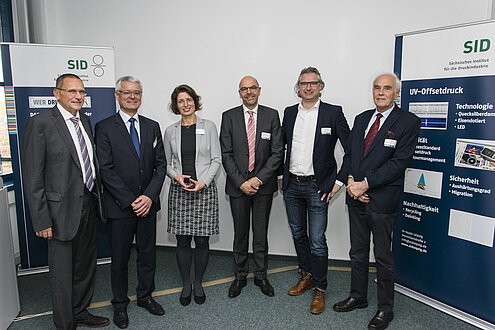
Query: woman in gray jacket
point(193, 157)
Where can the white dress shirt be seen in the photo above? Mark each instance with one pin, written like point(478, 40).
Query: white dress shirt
point(303, 140)
point(72, 130)
point(125, 117)
point(385, 114)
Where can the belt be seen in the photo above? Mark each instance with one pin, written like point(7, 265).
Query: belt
point(302, 178)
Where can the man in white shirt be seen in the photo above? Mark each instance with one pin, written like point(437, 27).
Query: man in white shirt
point(310, 131)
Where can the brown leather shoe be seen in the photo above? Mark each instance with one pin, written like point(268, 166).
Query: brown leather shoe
point(318, 302)
point(301, 286)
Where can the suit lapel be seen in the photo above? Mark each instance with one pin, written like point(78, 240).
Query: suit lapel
point(241, 124)
point(319, 120)
point(124, 133)
point(261, 120)
point(178, 138)
point(200, 124)
point(65, 135)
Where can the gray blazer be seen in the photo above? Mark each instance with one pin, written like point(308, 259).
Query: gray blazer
point(208, 157)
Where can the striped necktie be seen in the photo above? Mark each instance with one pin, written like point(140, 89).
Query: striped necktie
point(251, 135)
point(85, 155)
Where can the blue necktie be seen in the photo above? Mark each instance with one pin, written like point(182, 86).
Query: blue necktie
point(134, 135)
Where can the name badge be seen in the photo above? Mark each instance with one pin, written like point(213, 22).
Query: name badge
point(200, 131)
point(390, 143)
point(326, 131)
point(265, 135)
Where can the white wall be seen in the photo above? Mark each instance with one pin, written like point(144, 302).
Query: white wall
point(212, 44)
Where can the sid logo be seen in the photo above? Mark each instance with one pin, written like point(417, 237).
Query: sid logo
point(476, 46)
point(77, 64)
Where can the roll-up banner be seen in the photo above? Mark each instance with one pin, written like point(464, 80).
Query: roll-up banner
point(444, 234)
point(29, 75)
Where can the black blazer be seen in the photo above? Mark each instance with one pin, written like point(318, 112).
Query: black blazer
point(235, 150)
point(324, 164)
point(52, 174)
point(125, 176)
point(383, 165)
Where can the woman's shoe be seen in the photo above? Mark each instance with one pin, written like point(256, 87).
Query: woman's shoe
point(199, 299)
point(184, 301)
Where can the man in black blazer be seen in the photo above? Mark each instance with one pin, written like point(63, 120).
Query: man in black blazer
point(133, 168)
point(61, 183)
point(251, 179)
point(381, 146)
point(310, 131)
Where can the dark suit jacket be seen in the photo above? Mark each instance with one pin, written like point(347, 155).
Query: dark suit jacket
point(235, 150)
point(52, 174)
point(382, 166)
point(324, 164)
point(125, 176)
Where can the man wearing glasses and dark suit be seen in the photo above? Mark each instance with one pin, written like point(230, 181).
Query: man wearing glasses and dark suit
point(61, 183)
point(251, 143)
point(133, 168)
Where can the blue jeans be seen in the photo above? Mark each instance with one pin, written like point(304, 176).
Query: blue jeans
point(305, 209)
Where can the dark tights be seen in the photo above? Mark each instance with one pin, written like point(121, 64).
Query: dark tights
point(184, 259)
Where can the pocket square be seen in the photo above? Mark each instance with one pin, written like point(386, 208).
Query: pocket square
point(155, 143)
point(390, 134)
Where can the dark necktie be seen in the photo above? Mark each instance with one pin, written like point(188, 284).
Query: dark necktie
point(251, 135)
point(88, 171)
point(372, 133)
point(134, 135)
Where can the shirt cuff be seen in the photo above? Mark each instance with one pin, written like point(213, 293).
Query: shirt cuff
point(339, 183)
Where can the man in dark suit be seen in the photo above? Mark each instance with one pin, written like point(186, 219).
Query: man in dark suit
point(133, 169)
point(381, 146)
point(59, 171)
point(310, 131)
point(251, 143)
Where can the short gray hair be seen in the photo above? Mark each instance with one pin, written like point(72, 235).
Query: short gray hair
point(398, 83)
point(131, 79)
point(309, 69)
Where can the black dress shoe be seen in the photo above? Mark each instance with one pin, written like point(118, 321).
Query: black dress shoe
point(236, 288)
point(120, 318)
point(199, 299)
point(93, 321)
point(381, 320)
point(349, 304)
point(265, 287)
point(152, 306)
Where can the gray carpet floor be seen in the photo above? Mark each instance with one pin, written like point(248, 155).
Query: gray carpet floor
point(250, 310)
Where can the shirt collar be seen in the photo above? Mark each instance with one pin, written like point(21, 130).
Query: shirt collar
point(125, 117)
point(316, 106)
point(384, 113)
point(66, 114)
point(255, 109)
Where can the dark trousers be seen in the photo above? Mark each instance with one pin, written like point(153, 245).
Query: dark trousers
point(122, 232)
point(362, 223)
point(259, 207)
point(73, 268)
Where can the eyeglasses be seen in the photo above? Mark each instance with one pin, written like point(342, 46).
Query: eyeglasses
point(306, 83)
point(252, 88)
point(73, 92)
point(128, 93)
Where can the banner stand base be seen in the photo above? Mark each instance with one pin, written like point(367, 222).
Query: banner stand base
point(44, 269)
point(468, 318)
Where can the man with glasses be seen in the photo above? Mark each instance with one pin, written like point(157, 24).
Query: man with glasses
point(251, 143)
point(133, 168)
point(61, 183)
point(310, 131)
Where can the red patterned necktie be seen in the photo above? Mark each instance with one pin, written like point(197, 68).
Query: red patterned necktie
point(372, 133)
point(251, 135)
point(85, 155)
